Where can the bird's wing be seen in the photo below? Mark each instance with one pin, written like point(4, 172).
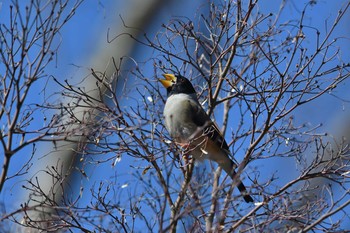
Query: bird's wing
point(202, 120)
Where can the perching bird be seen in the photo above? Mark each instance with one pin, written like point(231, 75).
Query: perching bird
point(191, 127)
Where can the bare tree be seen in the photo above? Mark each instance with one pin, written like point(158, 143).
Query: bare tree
point(253, 73)
point(29, 41)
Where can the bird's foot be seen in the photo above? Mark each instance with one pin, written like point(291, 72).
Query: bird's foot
point(184, 145)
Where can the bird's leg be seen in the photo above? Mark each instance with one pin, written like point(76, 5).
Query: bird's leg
point(184, 145)
point(186, 152)
point(186, 157)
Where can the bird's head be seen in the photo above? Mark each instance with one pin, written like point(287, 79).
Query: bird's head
point(176, 84)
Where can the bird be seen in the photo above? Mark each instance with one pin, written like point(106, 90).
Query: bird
point(192, 129)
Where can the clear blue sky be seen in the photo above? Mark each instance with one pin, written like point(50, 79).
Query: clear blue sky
point(81, 38)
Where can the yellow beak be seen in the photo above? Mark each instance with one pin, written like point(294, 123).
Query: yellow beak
point(169, 80)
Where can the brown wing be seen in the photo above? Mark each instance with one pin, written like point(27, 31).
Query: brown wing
point(201, 119)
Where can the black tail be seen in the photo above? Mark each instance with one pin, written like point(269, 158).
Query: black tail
point(243, 190)
point(229, 167)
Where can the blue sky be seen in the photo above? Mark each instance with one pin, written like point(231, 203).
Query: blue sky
point(81, 43)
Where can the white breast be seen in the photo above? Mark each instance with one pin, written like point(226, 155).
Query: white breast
point(178, 113)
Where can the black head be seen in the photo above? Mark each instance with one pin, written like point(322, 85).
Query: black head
point(176, 84)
